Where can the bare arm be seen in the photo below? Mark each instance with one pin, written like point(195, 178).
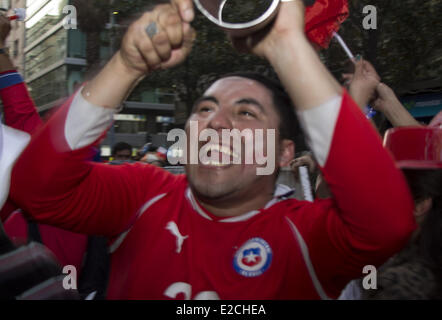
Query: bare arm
point(363, 83)
point(298, 66)
point(355, 229)
point(5, 28)
point(392, 108)
point(66, 181)
point(5, 62)
point(19, 109)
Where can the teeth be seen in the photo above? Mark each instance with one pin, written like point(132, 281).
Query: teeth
point(223, 149)
point(215, 163)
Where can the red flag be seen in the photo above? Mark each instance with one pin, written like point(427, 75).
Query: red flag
point(324, 18)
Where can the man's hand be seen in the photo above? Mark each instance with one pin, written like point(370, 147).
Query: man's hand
point(160, 39)
point(5, 28)
point(168, 45)
point(305, 160)
point(289, 22)
point(363, 83)
point(322, 191)
point(185, 8)
point(285, 46)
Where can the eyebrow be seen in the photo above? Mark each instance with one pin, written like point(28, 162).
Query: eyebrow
point(240, 101)
point(206, 98)
point(253, 102)
point(203, 99)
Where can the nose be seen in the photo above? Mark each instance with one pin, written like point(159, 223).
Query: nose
point(220, 119)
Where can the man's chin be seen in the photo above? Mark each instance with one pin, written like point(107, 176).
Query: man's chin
point(218, 182)
point(211, 189)
point(212, 173)
point(211, 194)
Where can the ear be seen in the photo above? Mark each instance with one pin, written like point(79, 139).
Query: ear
point(422, 207)
point(287, 152)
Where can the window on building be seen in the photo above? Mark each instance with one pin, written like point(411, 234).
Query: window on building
point(50, 87)
point(128, 123)
point(47, 53)
point(6, 4)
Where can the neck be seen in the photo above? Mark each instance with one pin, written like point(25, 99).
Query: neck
point(232, 206)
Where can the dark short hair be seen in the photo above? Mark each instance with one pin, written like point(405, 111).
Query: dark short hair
point(289, 127)
point(424, 184)
point(121, 146)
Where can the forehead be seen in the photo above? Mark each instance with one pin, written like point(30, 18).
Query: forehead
point(238, 87)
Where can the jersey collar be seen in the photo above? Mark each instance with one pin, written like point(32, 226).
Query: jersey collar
point(282, 192)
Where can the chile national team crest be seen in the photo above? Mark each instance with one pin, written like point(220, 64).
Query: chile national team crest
point(253, 258)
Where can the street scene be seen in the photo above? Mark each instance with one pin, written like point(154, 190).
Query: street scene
point(220, 150)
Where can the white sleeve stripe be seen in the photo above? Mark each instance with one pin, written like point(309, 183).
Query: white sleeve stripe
point(8, 75)
point(12, 215)
point(319, 126)
point(308, 262)
point(85, 122)
point(140, 212)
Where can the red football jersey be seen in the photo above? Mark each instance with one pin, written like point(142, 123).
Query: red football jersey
point(166, 246)
point(184, 252)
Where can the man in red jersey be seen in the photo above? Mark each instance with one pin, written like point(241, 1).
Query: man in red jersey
point(222, 231)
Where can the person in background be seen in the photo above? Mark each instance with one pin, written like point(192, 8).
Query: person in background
point(28, 271)
point(69, 248)
point(362, 83)
point(436, 122)
point(362, 86)
point(320, 187)
point(122, 151)
point(156, 156)
point(366, 87)
point(415, 273)
point(388, 103)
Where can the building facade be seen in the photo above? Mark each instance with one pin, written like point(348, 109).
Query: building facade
point(54, 55)
point(52, 58)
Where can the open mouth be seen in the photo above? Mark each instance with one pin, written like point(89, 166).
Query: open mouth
point(216, 155)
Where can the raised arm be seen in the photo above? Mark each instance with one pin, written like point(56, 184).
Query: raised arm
point(170, 42)
point(19, 109)
point(392, 108)
point(363, 83)
point(54, 182)
point(370, 216)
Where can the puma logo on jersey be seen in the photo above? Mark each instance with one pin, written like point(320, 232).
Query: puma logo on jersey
point(173, 228)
